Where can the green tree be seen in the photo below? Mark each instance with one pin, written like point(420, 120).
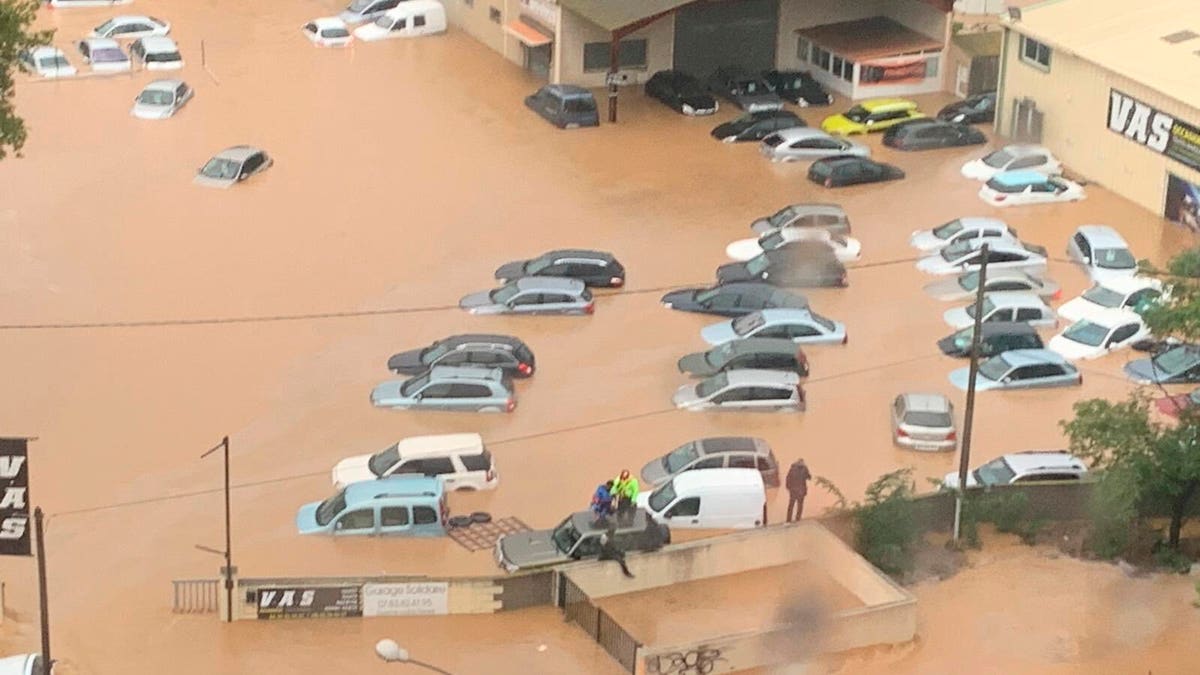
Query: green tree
point(1162, 458)
point(1177, 313)
point(16, 17)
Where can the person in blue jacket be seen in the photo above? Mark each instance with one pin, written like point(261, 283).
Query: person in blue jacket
point(602, 502)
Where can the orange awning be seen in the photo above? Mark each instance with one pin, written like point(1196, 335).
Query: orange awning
point(527, 34)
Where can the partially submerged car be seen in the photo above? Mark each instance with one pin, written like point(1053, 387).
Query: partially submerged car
point(1013, 158)
point(328, 31)
point(1021, 369)
point(129, 26)
point(755, 126)
point(1099, 334)
point(233, 165)
point(994, 337)
point(593, 268)
point(533, 295)
point(976, 109)
point(454, 388)
point(876, 114)
point(506, 352)
point(736, 298)
point(968, 256)
point(825, 216)
point(1102, 251)
point(746, 91)
point(1016, 188)
point(966, 285)
point(932, 134)
point(923, 422)
point(803, 264)
point(737, 452)
point(843, 170)
point(798, 87)
point(801, 326)
point(156, 53)
point(47, 62)
point(460, 461)
point(746, 389)
point(761, 353)
point(413, 506)
point(1177, 365)
point(1023, 307)
point(1023, 467)
point(1135, 293)
point(577, 538)
point(805, 143)
point(161, 99)
point(104, 55)
point(958, 230)
point(681, 92)
point(845, 249)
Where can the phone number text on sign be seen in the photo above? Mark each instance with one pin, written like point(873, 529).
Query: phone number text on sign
point(408, 599)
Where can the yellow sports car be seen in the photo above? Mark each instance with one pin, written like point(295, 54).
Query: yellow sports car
point(871, 115)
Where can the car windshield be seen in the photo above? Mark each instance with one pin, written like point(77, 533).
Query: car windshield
point(994, 368)
point(707, 295)
point(380, 462)
point(106, 26)
point(108, 55)
point(662, 497)
point(1176, 360)
point(330, 508)
point(221, 168)
point(821, 321)
point(719, 356)
point(772, 241)
point(53, 63)
point(988, 306)
point(358, 5)
point(565, 536)
point(1114, 259)
point(335, 33)
point(1007, 188)
point(939, 420)
point(712, 385)
point(962, 339)
point(680, 457)
point(745, 120)
point(414, 385)
point(857, 114)
point(1086, 332)
point(538, 264)
point(162, 57)
point(955, 251)
point(504, 294)
point(384, 21)
point(948, 230)
point(998, 159)
point(782, 216)
point(995, 472)
point(969, 281)
point(757, 265)
point(1103, 296)
point(750, 322)
point(772, 140)
point(156, 97)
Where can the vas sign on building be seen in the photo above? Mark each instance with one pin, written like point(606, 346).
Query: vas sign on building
point(1154, 129)
point(14, 497)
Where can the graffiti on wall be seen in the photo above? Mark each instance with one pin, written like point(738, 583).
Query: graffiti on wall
point(699, 661)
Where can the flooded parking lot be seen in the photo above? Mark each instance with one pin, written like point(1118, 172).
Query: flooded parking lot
point(405, 172)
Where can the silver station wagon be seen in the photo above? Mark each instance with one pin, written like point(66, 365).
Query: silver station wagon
point(533, 295)
point(449, 388)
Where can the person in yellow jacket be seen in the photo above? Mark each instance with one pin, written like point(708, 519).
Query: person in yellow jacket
point(625, 490)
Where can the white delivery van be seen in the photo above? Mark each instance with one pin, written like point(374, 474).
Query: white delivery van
point(461, 461)
point(716, 498)
point(408, 19)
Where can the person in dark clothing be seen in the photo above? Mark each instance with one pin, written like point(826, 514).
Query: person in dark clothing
point(609, 551)
point(797, 487)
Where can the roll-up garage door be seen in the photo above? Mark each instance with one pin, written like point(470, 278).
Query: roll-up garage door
point(718, 33)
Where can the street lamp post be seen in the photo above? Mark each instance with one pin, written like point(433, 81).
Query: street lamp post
point(229, 570)
point(964, 459)
point(391, 652)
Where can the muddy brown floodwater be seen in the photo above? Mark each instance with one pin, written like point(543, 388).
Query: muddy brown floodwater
point(405, 173)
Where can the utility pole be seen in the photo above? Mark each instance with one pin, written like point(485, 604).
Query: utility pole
point(39, 534)
point(228, 569)
point(964, 457)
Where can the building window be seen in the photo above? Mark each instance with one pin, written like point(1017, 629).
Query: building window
point(836, 68)
point(494, 14)
point(820, 58)
point(802, 49)
point(632, 55)
point(1035, 53)
point(848, 71)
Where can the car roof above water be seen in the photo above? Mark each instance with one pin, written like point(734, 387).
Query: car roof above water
point(1033, 460)
point(238, 153)
point(465, 373)
point(935, 403)
point(585, 522)
point(393, 486)
point(1031, 357)
point(1102, 236)
point(453, 341)
point(756, 376)
point(1020, 178)
point(550, 284)
point(755, 345)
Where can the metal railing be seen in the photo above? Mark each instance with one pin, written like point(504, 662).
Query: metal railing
point(195, 596)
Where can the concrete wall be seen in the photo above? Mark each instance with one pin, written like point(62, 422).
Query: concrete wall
point(465, 595)
point(576, 31)
point(475, 21)
point(1074, 96)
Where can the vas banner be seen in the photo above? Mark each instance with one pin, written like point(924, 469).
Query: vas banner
point(14, 497)
point(309, 602)
point(1154, 129)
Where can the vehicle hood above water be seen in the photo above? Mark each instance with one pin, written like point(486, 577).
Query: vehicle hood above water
point(685, 396)
point(206, 181)
point(476, 300)
point(681, 298)
point(718, 333)
point(353, 470)
point(696, 365)
point(734, 272)
point(511, 270)
point(406, 361)
point(726, 130)
point(530, 549)
point(306, 518)
point(386, 392)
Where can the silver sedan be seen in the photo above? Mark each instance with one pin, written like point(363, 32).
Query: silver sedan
point(532, 295)
point(806, 143)
point(963, 287)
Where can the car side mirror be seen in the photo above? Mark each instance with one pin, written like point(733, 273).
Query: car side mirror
point(339, 525)
point(1007, 380)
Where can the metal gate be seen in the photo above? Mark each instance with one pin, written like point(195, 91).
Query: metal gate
point(195, 596)
point(578, 608)
point(619, 644)
point(709, 35)
point(526, 590)
point(1027, 121)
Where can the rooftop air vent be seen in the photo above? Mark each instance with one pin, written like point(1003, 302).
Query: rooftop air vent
point(1181, 36)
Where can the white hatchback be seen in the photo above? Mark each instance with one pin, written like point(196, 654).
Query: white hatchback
point(961, 229)
point(47, 62)
point(131, 26)
point(847, 249)
point(1099, 334)
point(1103, 252)
point(327, 31)
point(1119, 293)
point(156, 53)
point(966, 256)
point(104, 55)
point(1018, 188)
point(1013, 158)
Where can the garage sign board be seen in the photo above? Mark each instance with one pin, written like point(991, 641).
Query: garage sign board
point(405, 599)
point(1153, 128)
point(309, 602)
point(14, 497)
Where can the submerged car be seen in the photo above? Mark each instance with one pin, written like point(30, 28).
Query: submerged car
point(1017, 188)
point(1174, 406)
point(958, 230)
point(1135, 293)
point(1102, 252)
point(533, 295)
point(593, 268)
point(161, 99)
point(454, 388)
point(755, 126)
point(104, 55)
point(1023, 467)
point(1176, 365)
point(875, 114)
point(1013, 158)
point(233, 165)
point(735, 452)
point(1024, 307)
point(824, 216)
point(47, 62)
point(761, 353)
point(966, 285)
point(923, 422)
point(578, 538)
point(681, 92)
point(931, 134)
point(156, 53)
point(1099, 334)
point(967, 256)
point(1021, 369)
point(846, 249)
point(803, 264)
point(796, 86)
point(843, 170)
point(359, 11)
point(736, 298)
point(128, 26)
point(506, 352)
point(459, 461)
point(802, 326)
point(328, 31)
point(805, 143)
point(398, 505)
point(745, 389)
point(977, 109)
point(994, 337)
point(746, 91)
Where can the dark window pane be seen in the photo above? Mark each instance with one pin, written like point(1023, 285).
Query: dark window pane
point(423, 515)
point(393, 516)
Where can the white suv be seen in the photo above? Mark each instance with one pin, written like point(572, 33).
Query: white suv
point(1023, 467)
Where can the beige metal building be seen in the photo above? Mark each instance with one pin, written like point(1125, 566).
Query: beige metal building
point(1113, 88)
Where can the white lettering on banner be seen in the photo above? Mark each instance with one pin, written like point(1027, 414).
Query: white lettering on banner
point(410, 599)
point(14, 498)
point(1139, 122)
point(10, 466)
point(13, 527)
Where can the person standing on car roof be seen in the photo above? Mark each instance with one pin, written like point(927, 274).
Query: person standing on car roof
point(626, 489)
point(797, 487)
point(602, 501)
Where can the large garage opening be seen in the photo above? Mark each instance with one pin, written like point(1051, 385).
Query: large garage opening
point(709, 35)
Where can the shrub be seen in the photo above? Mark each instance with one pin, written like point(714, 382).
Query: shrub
point(1113, 510)
point(887, 528)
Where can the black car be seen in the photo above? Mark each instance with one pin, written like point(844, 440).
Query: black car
point(928, 134)
point(972, 110)
point(756, 126)
point(804, 264)
point(851, 170)
point(748, 92)
point(594, 268)
point(486, 351)
point(798, 87)
point(994, 337)
point(734, 299)
point(761, 353)
point(681, 92)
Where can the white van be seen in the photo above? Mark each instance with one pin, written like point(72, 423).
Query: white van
point(461, 461)
point(22, 664)
point(408, 19)
point(716, 498)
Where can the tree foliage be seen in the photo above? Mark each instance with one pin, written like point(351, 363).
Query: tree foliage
point(887, 528)
point(1177, 313)
point(16, 18)
point(1164, 460)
